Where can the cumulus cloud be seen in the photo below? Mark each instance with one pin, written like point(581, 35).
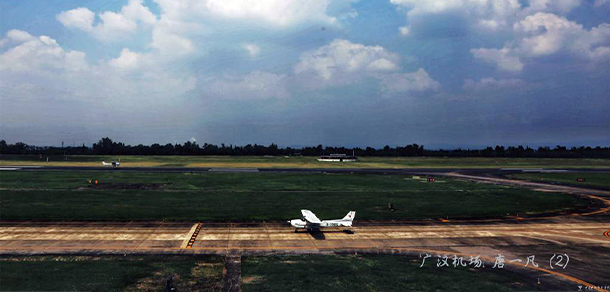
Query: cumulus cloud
point(484, 13)
point(136, 11)
point(491, 84)
point(343, 56)
point(279, 12)
point(544, 34)
point(254, 85)
point(39, 54)
point(80, 18)
point(182, 20)
point(343, 62)
point(499, 57)
point(128, 60)
point(417, 81)
point(32, 65)
point(168, 38)
point(555, 6)
point(15, 36)
point(275, 12)
point(472, 6)
point(112, 26)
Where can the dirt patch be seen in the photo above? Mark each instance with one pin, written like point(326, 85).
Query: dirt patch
point(154, 283)
point(205, 277)
point(232, 274)
point(251, 280)
point(125, 186)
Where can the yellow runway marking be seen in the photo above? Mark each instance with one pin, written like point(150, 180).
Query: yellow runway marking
point(189, 236)
point(602, 210)
point(191, 241)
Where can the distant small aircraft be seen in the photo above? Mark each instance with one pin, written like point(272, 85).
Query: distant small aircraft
point(310, 222)
point(114, 164)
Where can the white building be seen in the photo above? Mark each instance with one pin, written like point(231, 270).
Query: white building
point(338, 158)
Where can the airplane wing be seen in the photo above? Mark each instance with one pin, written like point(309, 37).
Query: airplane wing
point(310, 217)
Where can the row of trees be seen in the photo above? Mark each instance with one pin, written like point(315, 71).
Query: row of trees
point(106, 146)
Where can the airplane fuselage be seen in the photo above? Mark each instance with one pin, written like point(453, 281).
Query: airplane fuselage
point(299, 223)
point(113, 163)
point(309, 221)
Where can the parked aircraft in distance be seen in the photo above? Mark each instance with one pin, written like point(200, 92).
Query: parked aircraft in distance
point(309, 221)
point(114, 164)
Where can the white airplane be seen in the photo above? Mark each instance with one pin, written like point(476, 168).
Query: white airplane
point(309, 221)
point(113, 163)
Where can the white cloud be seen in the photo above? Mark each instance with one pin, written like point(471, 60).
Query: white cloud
point(252, 49)
point(254, 85)
point(39, 54)
point(18, 36)
point(404, 30)
point(112, 26)
point(544, 34)
point(180, 20)
point(486, 84)
point(486, 13)
point(135, 10)
point(417, 81)
point(40, 68)
point(15, 36)
point(500, 58)
point(556, 6)
point(281, 13)
point(343, 56)
point(169, 43)
point(342, 62)
point(80, 18)
point(128, 60)
point(382, 64)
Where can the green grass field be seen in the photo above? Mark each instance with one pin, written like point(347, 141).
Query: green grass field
point(272, 273)
point(600, 180)
point(304, 162)
point(109, 273)
point(374, 273)
point(259, 196)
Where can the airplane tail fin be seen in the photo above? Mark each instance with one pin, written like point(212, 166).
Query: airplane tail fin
point(350, 216)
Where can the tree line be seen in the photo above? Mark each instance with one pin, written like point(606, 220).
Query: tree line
point(106, 146)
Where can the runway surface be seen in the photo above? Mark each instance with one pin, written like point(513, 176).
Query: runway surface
point(466, 170)
point(76, 237)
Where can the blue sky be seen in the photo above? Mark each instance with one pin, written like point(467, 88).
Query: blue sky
point(306, 72)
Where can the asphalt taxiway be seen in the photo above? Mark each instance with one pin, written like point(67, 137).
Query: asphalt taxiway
point(217, 238)
point(465, 170)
